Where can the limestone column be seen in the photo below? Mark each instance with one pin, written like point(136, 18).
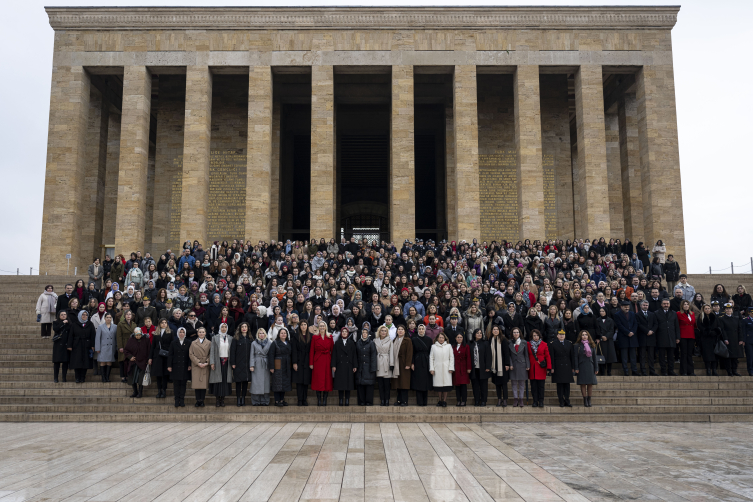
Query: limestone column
point(660, 160)
point(592, 201)
point(614, 174)
point(274, 224)
point(111, 180)
point(529, 153)
point(630, 165)
point(259, 158)
point(322, 212)
point(65, 167)
point(94, 177)
point(465, 115)
point(450, 181)
point(197, 133)
point(402, 162)
point(134, 160)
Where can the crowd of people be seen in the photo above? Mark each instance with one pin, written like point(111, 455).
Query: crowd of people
point(355, 316)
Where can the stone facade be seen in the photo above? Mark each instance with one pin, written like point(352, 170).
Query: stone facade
point(529, 149)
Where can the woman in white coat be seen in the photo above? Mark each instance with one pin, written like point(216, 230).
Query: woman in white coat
point(106, 345)
point(441, 366)
point(46, 310)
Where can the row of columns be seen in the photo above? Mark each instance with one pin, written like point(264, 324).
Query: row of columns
point(646, 180)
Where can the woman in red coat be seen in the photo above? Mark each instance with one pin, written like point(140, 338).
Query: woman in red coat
point(538, 354)
point(687, 321)
point(460, 378)
point(320, 357)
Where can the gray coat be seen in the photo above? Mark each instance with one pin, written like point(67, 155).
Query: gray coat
point(260, 380)
point(96, 278)
point(215, 375)
point(106, 344)
point(585, 365)
point(519, 361)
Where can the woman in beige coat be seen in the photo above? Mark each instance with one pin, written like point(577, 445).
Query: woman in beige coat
point(199, 354)
point(385, 363)
point(46, 304)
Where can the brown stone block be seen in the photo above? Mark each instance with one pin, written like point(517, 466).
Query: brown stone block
point(259, 156)
point(402, 162)
point(465, 114)
point(322, 212)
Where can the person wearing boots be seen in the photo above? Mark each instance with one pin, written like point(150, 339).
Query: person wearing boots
point(279, 361)
point(646, 338)
point(519, 366)
point(732, 336)
point(421, 380)
point(344, 366)
point(260, 375)
point(500, 348)
point(461, 377)
point(584, 363)
point(161, 341)
point(199, 354)
point(106, 346)
point(60, 354)
point(320, 359)
point(385, 363)
point(708, 334)
point(179, 366)
point(240, 361)
point(688, 327)
point(367, 368)
point(561, 353)
point(301, 340)
point(221, 376)
point(402, 350)
point(541, 363)
point(137, 354)
point(80, 345)
point(481, 367)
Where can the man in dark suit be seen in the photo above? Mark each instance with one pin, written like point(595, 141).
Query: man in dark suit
point(561, 351)
point(62, 303)
point(453, 329)
point(654, 300)
point(667, 337)
point(627, 340)
point(646, 338)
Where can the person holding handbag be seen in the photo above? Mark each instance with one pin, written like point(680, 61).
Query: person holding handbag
point(584, 363)
point(161, 341)
point(540, 364)
point(137, 354)
point(199, 352)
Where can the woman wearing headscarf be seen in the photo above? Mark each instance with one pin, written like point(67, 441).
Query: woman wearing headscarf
point(221, 376)
point(81, 345)
point(344, 366)
point(421, 380)
point(481, 367)
point(46, 309)
point(199, 352)
point(320, 359)
point(279, 361)
point(106, 344)
point(584, 363)
point(541, 363)
point(463, 364)
point(240, 361)
point(402, 350)
point(137, 353)
point(161, 341)
point(385, 363)
point(60, 354)
point(301, 341)
point(520, 365)
point(500, 349)
point(179, 366)
point(260, 379)
point(605, 330)
point(367, 368)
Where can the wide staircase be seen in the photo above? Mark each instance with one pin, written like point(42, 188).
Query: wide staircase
point(27, 392)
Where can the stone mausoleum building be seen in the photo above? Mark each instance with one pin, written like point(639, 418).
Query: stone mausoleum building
point(168, 124)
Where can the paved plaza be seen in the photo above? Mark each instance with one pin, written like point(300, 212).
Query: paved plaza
point(376, 462)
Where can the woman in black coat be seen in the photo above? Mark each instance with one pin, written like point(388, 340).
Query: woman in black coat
point(179, 366)
point(532, 322)
point(605, 338)
point(161, 341)
point(570, 325)
point(732, 336)
point(481, 367)
point(584, 364)
point(500, 350)
point(344, 366)
point(81, 345)
point(279, 362)
point(60, 354)
point(708, 334)
point(301, 340)
point(421, 379)
point(240, 361)
point(561, 352)
point(367, 367)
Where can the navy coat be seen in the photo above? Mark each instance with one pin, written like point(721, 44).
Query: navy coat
point(625, 324)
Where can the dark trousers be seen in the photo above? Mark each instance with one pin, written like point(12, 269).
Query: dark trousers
point(626, 354)
point(179, 389)
point(647, 360)
point(537, 389)
point(502, 392)
point(402, 396)
point(161, 383)
point(365, 394)
point(121, 364)
point(749, 357)
point(480, 389)
point(280, 397)
point(201, 394)
point(422, 397)
point(687, 345)
point(384, 388)
point(667, 361)
point(56, 367)
point(241, 389)
point(80, 374)
point(302, 390)
point(730, 364)
point(563, 393)
point(46, 328)
point(461, 393)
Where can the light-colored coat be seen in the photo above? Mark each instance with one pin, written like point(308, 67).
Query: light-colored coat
point(441, 361)
point(46, 306)
point(385, 359)
point(96, 278)
point(199, 353)
point(260, 380)
point(105, 343)
point(519, 361)
point(215, 375)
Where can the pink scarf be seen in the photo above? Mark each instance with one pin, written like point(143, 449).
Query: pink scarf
point(587, 348)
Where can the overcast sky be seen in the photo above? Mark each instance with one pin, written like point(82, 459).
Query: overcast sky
point(712, 61)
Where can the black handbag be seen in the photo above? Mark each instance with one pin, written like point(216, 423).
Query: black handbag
point(721, 349)
point(542, 364)
point(163, 352)
point(600, 359)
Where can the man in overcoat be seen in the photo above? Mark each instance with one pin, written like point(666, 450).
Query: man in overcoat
point(561, 351)
point(627, 339)
point(667, 337)
point(646, 338)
